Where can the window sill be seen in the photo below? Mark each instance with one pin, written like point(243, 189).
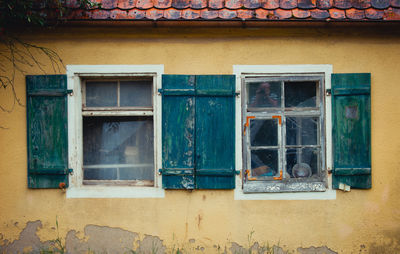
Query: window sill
point(279, 187)
point(114, 192)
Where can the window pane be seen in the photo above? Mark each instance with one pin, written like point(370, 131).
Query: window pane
point(264, 163)
point(264, 132)
point(124, 144)
point(300, 94)
point(136, 94)
point(101, 94)
point(100, 174)
point(264, 94)
point(301, 131)
point(302, 162)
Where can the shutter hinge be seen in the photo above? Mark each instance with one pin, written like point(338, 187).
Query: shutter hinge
point(237, 172)
point(237, 93)
point(70, 91)
point(160, 91)
point(328, 92)
point(160, 171)
point(70, 171)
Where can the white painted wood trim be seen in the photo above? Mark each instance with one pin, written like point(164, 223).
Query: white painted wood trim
point(240, 71)
point(76, 188)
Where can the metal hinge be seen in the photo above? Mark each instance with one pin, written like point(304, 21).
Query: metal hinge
point(328, 92)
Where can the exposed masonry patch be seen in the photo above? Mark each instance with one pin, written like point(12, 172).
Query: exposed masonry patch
point(102, 239)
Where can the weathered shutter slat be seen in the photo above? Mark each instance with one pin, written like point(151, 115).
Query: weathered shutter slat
point(178, 111)
point(351, 110)
point(215, 140)
point(47, 131)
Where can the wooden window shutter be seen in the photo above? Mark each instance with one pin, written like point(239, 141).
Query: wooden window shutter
point(198, 131)
point(351, 134)
point(47, 131)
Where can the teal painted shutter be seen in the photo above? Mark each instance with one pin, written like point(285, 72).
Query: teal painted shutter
point(351, 113)
point(215, 132)
point(178, 111)
point(198, 120)
point(47, 131)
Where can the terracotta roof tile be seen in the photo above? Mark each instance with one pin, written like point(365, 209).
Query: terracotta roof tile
point(395, 3)
point(282, 14)
point(373, 14)
point(126, 4)
point(180, 4)
point(216, 4)
point(118, 14)
point(380, 4)
point(301, 14)
point(288, 4)
point(172, 13)
point(251, 4)
point(191, 14)
point(324, 4)
point(209, 14)
point(99, 14)
point(337, 14)
point(233, 4)
point(270, 4)
point(109, 4)
point(319, 14)
point(227, 14)
point(198, 4)
point(144, 4)
point(136, 14)
point(163, 4)
point(342, 4)
point(245, 14)
point(307, 4)
point(361, 4)
point(355, 13)
point(264, 14)
point(154, 14)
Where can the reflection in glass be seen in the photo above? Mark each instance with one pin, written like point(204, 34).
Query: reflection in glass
point(264, 132)
point(301, 130)
point(136, 93)
point(264, 94)
point(118, 148)
point(300, 94)
point(264, 163)
point(302, 162)
point(101, 94)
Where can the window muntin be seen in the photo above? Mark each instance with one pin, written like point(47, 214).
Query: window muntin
point(284, 144)
point(118, 132)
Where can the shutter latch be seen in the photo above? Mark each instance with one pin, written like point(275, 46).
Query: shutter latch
point(328, 92)
point(70, 91)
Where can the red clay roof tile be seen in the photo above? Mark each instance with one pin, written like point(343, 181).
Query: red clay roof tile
point(172, 13)
point(144, 4)
point(288, 4)
point(307, 4)
point(337, 14)
point(136, 14)
point(99, 14)
point(209, 14)
point(118, 14)
point(163, 4)
point(282, 14)
point(191, 14)
point(227, 14)
point(180, 4)
point(380, 4)
point(324, 4)
point(251, 4)
point(233, 4)
point(355, 13)
point(198, 4)
point(126, 4)
point(264, 14)
point(301, 14)
point(361, 4)
point(109, 4)
point(342, 4)
point(154, 14)
point(270, 4)
point(395, 3)
point(319, 14)
point(372, 13)
point(245, 14)
point(216, 4)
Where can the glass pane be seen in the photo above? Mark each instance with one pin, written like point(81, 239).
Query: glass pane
point(264, 163)
point(100, 174)
point(136, 94)
point(122, 143)
point(101, 94)
point(264, 94)
point(302, 131)
point(302, 162)
point(300, 94)
point(264, 132)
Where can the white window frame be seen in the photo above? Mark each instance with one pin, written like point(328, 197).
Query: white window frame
point(75, 74)
point(241, 71)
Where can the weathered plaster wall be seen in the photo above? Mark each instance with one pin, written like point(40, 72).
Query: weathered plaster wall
point(360, 221)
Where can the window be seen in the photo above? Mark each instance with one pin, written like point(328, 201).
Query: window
point(114, 131)
point(118, 132)
point(283, 138)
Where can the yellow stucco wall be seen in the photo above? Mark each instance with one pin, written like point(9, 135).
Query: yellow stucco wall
point(369, 218)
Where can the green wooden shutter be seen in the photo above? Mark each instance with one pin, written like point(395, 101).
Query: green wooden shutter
point(47, 131)
point(351, 110)
point(198, 120)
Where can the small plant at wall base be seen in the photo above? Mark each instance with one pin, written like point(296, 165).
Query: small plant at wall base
point(17, 55)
